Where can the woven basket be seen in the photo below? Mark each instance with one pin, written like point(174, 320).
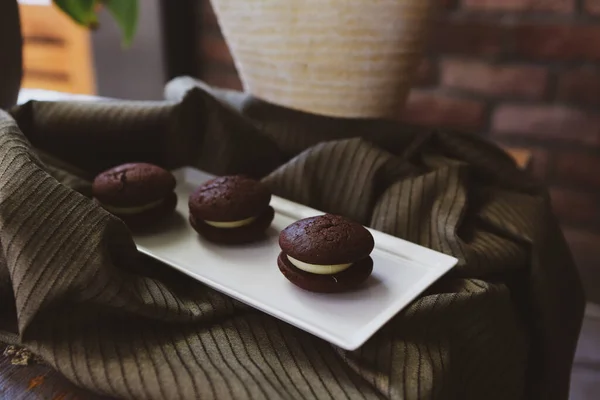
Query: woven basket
point(341, 58)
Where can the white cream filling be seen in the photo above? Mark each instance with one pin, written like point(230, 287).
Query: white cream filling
point(132, 210)
point(231, 224)
point(319, 269)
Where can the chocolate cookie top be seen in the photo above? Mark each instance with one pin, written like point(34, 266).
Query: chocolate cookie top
point(229, 198)
point(133, 184)
point(326, 239)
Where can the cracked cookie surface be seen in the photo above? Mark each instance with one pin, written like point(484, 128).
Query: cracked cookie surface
point(229, 198)
point(326, 239)
point(133, 184)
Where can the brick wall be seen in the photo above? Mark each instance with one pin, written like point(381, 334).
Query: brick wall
point(525, 73)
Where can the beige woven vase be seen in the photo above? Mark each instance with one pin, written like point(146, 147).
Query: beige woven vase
point(341, 58)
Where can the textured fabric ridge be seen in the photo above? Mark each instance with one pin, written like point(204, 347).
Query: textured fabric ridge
point(502, 325)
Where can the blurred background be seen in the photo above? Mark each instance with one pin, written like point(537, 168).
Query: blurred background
point(525, 73)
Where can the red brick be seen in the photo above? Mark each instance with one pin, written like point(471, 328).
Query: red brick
point(557, 41)
point(586, 252)
point(221, 79)
point(580, 86)
point(469, 37)
point(540, 163)
point(435, 110)
point(495, 5)
point(562, 6)
point(495, 80)
point(214, 48)
point(578, 168)
point(575, 206)
point(538, 159)
point(208, 15)
point(448, 4)
point(426, 74)
point(585, 241)
point(547, 122)
point(521, 156)
point(592, 6)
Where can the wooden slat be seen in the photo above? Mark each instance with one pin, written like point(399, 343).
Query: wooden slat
point(48, 81)
point(53, 44)
point(47, 58)
point(43, 21)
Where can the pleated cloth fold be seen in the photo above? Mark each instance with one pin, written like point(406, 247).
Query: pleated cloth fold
point(503, 324)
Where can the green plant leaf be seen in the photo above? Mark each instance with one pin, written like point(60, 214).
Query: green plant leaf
point(125, 12)
point(81, 11)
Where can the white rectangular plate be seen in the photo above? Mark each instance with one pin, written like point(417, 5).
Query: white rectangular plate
point(249, 273)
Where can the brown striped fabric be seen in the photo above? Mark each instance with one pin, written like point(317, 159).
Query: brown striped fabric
point(73, 289)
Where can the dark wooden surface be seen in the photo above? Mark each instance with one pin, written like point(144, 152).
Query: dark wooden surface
point(37, 382)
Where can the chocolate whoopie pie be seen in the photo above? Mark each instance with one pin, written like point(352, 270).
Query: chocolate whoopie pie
point(231, 210)
point(326, 254)
point(140, 194)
